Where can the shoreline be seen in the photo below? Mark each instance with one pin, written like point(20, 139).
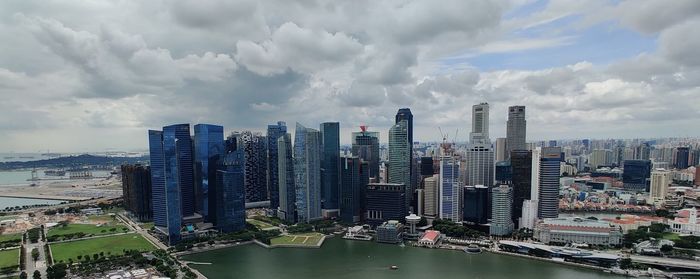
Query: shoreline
point(43, 197)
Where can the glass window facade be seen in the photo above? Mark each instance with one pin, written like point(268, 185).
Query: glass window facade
point(330, 164)
point(208, 150)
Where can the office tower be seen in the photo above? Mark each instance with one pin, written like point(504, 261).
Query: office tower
point(426, 166)
point(476, 204)
point(330, 165)
point(660, 179)
point(550, 164)
point(504, 172)
point(480, 165)
point(285, 169)
point(274, 133)
point(384, 202)
point(682, 156)
point(400, 157)
point(529, 216)
point(480, 124)
point(501, 149)
point(635, 175)
point(365, 145)
point(521, 165)
point(307, 173)
point(516, 129)
point(167, 210)
point(136, 187)
point(600, 157)
point(208, 150)
point(405, 114)
point(351, 186)
point(228, 210)
point(450, 186)
point(642, 152)
point(501, 214)
point(177, 139)
point(253, 144)
point(431, 195)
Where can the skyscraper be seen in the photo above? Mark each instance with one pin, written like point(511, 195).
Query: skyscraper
point(660, 179)
point(365, 145)
point(208, 150)
point(286, 184)
point(480, 124)
point(682, 155)
point(136, 187)
point(431, 195)
point(521, 164)
point(400, 157)
point(500, 149)
point(351, 186)
point(228, 206)
point(177, 139)
point(253, 144)
point(501, 214)
point(274, 132)
point(167, 211)
point(450, 187)
point(516, 129)
point(635, 175)
point(307, 173)
point(480, 165)
point(330, 165)
point(475, 205)
point(642, 152)
point(385, 201)
point(599, 158)
point(405, 114)
point(550, 164)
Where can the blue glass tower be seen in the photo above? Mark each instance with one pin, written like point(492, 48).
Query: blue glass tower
point(285, 166)
point(550, 164)
point(351, 185)
point(636, 174)
point(165, 181)
point(229, 193)
point(274, 132)
point(208, 149)
point(158, 194)
point(177, 147)
point(307, 173)
point(330, 164)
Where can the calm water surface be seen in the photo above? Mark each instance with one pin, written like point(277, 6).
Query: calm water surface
point(344, 259)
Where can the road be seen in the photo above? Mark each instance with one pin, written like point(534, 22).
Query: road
point(666, 261)
point(40, 264)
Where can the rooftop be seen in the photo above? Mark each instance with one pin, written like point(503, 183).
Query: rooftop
point(430, 235)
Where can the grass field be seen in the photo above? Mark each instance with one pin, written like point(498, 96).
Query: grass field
point(114, 244)
point(103, 218)
point(9, 258)
point(260, 224)
point(671, 236)
point(310, 239)
point(10, 237)
point(85, 228)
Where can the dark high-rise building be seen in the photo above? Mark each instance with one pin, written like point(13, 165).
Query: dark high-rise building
point(516, 129)
point(682, 156)
point(351, 186)
point(178, 138)
point(165, 186)
point(400, 159)
point(384, 202)
point(521, 166)
point(405, 114)
point(274, 132)
point(285, 167)
point(136, 187)
point(229, 194)
point(365, 145)
point(475, 205)
point(208, 149)
point(504, 173)
point(426, 166)
point(255, 165)
point(636, 174)
point(550, 164)
point(330, 164)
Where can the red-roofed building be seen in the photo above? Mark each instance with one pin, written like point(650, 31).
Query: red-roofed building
point(430, 239)
point(686, 223)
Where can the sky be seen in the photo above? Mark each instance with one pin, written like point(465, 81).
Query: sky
point(78, 75)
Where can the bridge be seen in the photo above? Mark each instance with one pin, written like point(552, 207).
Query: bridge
point(667, 262)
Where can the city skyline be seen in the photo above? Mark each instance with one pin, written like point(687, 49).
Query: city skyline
point(583, 70)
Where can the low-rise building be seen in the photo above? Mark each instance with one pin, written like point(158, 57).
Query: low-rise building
point(577, 230)
point(686, 223)
point(629, 222)
point(430, 239)
point(390, 232)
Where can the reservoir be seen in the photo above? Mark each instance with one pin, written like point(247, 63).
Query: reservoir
point(346, 259)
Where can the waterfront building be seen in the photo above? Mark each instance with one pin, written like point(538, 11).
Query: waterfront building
point(577, 230)
point(658, 188)
point(521, 165)
point(390, 232)
point(286, 185)
point(412, 220)
point(384, 202)
point(480, 165)
point(365, 145)
point(177, 146)
point(431, 195)
point(682, 157)
point(563, 254)
point(475, 205)
point(208, 150)
point(254, 146)
point(450, 187)
point(501, 211)
point(516, 129)
point(307, 173)
point(136, 190)
point(274, 133)
point(330, 165)
point(430, 239)
point(351, 185)
point(480, 124)
point(400, 157)
point(635, 176)
point(549, 175)
point(229, 194)
point(500, 149)
point(166, 187)
point(686, 222)
point(528, 218)
point(401, 115)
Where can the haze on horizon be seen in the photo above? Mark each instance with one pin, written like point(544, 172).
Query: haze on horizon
point(88, 76)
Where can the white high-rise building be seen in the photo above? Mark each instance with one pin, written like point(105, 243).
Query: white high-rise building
point(600, 157)
point(660, 179)
point(501, 210)
point(535, 177)
point(480, 165)
point(529, 217)
point(480, 124)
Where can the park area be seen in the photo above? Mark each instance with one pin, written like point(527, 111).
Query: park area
point(108, 245)
point(9, 258)
point(259, 224)
point(72, 231)
point(10, 240)
point(305, 239)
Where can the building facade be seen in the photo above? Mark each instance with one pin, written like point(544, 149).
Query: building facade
point(286, 184)
point(431, 195)
point(549, 182)
point(480, 165)
point(480, 124)
point(390, 232)
point(274, 133)
point(577, 230)
point(208, 150)
point(660, 179)
point(516, 127)
point(307, 173)
point(136, 187)
point(254, 146)
point(501, 211)
point(352, 182)
point(365, 145)
point(475, 205)
point(400, 157)
point(521, 164)
point(384, 202)
point(229, 193)
point(450, 188)
point(330, 165)
point(635, 176)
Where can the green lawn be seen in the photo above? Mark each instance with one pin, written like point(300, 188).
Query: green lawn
point(103, 218)
point(310, 239)
point(671, 236)
point(87, 229)
point(10, 237)
point(9, 258)
point(114, 244)
point(260, 224)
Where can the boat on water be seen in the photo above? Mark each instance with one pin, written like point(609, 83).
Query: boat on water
point(393, 267)
point(472, 249)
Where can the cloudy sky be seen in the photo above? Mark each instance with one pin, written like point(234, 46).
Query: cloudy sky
point(95, 75)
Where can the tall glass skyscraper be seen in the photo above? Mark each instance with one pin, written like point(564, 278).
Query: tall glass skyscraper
point(254, 145)
point(400, 157)
point(136, 187)
point(351, 186)
point(521, 166)
point(285, 167)
point(229, 193)
point(636, 174)
point(476, 204)
point(449, 188)
point(549, 174)
point(365, 145)
point(274, 132)
point(405, 114)
point(330, 164)
point(208, 149)
point(177, 147)
point(307, 173)
point(480, 165)
point(516, 129)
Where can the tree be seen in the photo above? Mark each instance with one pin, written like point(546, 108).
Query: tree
point(625, 263)
point(35, 254)
point(666, 249)
point(23, 275)
point(36, 275)
point(658, 227)
point(663, 213)
point(57, 271)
